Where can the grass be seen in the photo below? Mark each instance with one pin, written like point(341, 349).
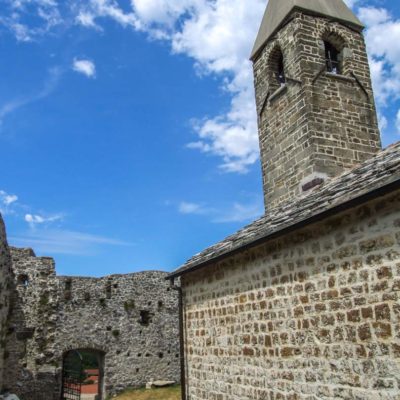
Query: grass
point(171, 393)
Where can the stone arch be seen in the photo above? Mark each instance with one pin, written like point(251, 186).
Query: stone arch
point(82, 343)
point(276, 69)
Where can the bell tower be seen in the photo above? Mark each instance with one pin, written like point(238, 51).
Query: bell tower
point(315, 105)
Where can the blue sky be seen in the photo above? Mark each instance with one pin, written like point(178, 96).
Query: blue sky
point(128, 128)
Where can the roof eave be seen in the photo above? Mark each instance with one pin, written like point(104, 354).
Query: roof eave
point(354, 202)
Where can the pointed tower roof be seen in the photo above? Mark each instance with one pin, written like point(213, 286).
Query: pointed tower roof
point(278, 11)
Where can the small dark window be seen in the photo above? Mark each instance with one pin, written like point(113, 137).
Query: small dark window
point(281, 71)
point(68, 289)
point(108, 290)
point(68, 284)
point(332, 57)
point(144, 317)
point(23, 280)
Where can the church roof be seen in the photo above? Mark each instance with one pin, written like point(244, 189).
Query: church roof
point(278, 11)
point(375, 177)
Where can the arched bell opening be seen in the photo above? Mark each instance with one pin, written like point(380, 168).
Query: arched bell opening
point(334, 47)
point(276, 69)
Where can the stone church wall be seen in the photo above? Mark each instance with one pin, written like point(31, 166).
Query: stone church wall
point(131, 319)
point(312, 315)
point(5, 278)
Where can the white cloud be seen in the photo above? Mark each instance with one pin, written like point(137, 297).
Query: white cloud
point(236, 212)
point(7, 202)
point(218, 35)
point(384, 53)
point(242, 213)
point(398, 122)
point(7, 199)
point(36, 219)
point(91, 10)
point(85, 67)
point(44, 15)
point(64, 242)
point(382, 122)
point(372, 16)
point(351, 3)
point(48, 88)
point(191, 208)
point(162, 11)
point(87, 20)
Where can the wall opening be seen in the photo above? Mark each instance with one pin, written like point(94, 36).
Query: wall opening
point(334, 48)
point(68, 289)
point(276, 68)
point(23, 280)
point(108, 290)
point(83, 375)
point(145, 317)
point(332, 58)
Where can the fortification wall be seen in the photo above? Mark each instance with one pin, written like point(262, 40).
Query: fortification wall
point(5, 278)
point(33, 364)
point(131, 319)
point(313, 315)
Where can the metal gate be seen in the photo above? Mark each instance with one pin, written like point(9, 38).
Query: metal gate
point(72, 376)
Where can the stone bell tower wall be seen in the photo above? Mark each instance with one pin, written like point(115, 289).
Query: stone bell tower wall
point(318, 123)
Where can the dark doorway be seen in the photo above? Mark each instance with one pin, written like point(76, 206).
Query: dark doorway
point(83, 372)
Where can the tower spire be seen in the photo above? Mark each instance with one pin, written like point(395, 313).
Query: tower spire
point(278, 11)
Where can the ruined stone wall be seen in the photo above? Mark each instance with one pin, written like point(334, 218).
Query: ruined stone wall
point(131, 319)
point(313, 315)
point(5, 278)
point(318, 123)
point(33, 364)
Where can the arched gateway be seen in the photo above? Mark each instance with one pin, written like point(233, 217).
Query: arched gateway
point(83, 375)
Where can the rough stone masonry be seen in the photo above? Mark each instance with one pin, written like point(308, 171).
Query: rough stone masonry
point(130, 320)
point(313, 315)
point(5, 279)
